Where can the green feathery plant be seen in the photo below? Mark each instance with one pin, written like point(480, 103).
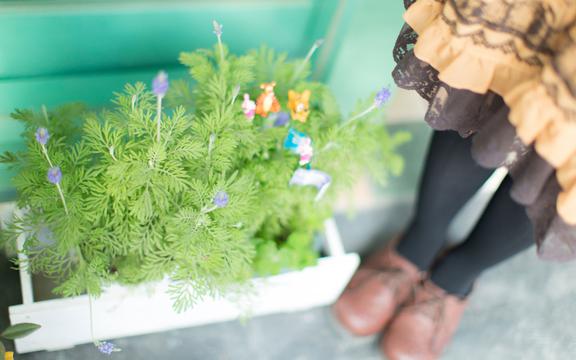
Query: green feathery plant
point(183, 183)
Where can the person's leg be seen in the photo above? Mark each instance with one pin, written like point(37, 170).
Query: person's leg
point(424, 326)
point(387, 279)
point(503, 231)
point(450, 178)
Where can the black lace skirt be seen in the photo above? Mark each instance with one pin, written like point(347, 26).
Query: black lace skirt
point(484, 116)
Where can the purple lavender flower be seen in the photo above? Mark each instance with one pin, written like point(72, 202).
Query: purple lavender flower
point(382, 96)
point(282, 118)
point(42, 135)
point(221, 199)
point(54, 175)
point(217, 28)
point(160, 84)
point(106, 347)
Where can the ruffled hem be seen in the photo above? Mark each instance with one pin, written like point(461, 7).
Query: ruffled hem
point(462, 62)
point(538, 120)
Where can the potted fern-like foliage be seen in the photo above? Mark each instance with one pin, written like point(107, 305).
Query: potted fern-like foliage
point(207, 182)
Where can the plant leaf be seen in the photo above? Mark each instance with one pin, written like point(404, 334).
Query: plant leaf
point(8, 157)
point(19, 330)
point(2, 350)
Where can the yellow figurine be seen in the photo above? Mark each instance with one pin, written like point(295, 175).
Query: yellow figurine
point(267, 101)
point(9, 355)
point(299, 104)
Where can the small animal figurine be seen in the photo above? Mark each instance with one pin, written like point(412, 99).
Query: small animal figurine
point(306, 151)
point(294, 139)
point(299, 104)
point(267, 101)
point(301, 144)
point(249, 107)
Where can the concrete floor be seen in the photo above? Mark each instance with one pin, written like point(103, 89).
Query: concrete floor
point(524, 309)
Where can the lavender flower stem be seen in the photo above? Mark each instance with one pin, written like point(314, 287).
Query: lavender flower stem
point(91, 320)
point(45, 113)
point(45, 151)
point(306, 60)
point(220, 46)
point(104, 347)
point(158, 117)
point(210, 209)
point(218, 32)
point(328, 146)
point(205, 210)
point(343, 125)
point(380, 99)
point(134, 100)
point(211, 141)
point(111, 151)
point(62, 197)
point(361, 115)
point(235, 93)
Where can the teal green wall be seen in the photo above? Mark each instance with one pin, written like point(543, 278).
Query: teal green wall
point(364, 64)
point(365, 61)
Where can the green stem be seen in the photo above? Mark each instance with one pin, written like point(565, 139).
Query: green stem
point(206, 210)
point(326, 147)
point(358, 116)
point(345, 124)
point(62, 197)
point(221, 47)
point(158, 117)
point(45, 113)
point(235, 93)
point(211, 141)
point(45, 151)
point(111, 151)
point(306, 60)
point(134, 100)
point(92, 321)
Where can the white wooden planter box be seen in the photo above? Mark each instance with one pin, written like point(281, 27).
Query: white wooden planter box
point(127, 311)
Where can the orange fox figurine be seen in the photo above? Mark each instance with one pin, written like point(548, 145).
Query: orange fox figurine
point(267, 101)
point(299, 105)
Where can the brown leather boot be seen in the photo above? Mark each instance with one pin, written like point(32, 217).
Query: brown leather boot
point(373, 295)
point(424, 326)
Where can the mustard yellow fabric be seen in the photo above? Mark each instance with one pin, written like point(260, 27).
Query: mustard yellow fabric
point(525, 51)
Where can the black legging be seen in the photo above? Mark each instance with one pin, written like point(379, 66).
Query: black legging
point(450, 179)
